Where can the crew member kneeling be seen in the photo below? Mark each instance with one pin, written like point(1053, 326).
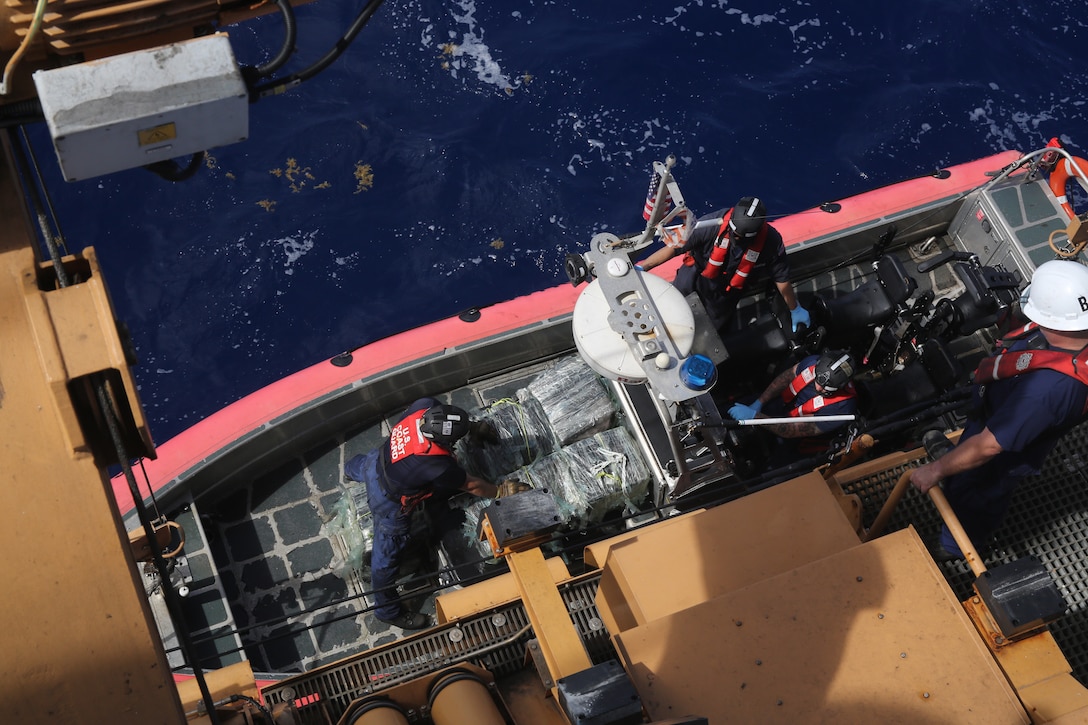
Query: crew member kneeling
point(412, 464)
point(819, 385)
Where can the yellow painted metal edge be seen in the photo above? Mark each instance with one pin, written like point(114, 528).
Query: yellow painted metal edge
point(489, 593)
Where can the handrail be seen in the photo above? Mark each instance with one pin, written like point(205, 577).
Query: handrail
point(970, 553)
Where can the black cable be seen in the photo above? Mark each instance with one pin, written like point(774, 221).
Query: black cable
point(59, 237)
point(288, 47)
point(21, 113)
point(34, 194)
point(280, 85)
point(264, 710)
point(105, 399)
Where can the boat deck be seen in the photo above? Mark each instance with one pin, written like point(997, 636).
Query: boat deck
point(1046, 521)
point(286, 548)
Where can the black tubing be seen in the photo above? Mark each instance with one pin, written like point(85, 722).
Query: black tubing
point(290, 33)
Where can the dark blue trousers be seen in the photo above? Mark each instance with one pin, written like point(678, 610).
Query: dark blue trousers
point(390, 534)
point(980, 498)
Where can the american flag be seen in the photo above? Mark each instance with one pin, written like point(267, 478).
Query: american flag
point(651, 197)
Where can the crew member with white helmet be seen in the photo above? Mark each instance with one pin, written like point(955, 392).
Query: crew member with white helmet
point(1029, 394)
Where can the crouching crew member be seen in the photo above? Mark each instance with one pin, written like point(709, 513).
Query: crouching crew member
point(819, 385)
point(415, 462)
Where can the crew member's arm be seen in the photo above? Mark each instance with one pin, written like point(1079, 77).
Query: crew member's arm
point(788, 295)
point(777, 385)
point(480, 487)
point(786, 430)
point(807, 429)
point(969, 454)
point(659, 257)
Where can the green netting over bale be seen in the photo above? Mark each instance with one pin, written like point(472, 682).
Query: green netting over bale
point(593, 476)
point(575, 402)
point(524, 436)
point(351, 523)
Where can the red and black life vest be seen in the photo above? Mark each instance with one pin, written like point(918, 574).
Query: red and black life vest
point(1010, 363)
point(720, 254)
point(406, 440)
point(810, 406)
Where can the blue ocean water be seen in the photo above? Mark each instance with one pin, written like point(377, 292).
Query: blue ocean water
point(458, 149)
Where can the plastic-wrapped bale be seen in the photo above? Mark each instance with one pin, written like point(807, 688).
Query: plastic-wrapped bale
point(473, 514)
point(573, 398)
point(546, 472)
point(524, 436)
point(351, 523)
point(617, 475)
point(593, 476)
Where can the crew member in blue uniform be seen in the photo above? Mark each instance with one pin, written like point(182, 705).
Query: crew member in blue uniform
point(1028, 396)
point(819, 385)
point(415, 462)
point(721, 261)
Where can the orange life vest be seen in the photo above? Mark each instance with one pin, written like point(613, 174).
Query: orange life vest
point(809, 407)
point(405, 440)
point(1009, 363)
point(720, 253)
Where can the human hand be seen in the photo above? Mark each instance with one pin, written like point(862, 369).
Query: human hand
point(925, 477)
point(743, 412)
point(799, 315)
point(511, 486)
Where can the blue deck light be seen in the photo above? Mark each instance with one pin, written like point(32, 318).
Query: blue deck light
point(698, 372)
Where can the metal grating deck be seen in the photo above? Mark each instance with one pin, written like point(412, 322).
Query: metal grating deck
point(495, 641)
point(1048, 519)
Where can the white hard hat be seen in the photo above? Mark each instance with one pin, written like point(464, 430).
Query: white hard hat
point(1057, 297)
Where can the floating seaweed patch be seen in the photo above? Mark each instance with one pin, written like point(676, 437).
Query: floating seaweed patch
point(364, 177)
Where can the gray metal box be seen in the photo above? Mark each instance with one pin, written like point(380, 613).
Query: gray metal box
point(138, 108)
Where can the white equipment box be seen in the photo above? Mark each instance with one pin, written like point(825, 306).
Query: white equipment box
point(138, 108)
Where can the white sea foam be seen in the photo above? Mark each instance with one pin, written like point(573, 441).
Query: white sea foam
point(295, 248)
point(470, 54)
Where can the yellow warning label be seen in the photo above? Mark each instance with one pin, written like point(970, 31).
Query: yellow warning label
point(157, 134)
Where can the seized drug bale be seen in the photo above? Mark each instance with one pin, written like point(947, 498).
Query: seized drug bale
point(524, 436)
point(573, 398)
point(593, 476)
point(351, 524)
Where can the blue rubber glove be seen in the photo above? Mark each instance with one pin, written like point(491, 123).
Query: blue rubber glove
point(743, 412)
point(800, 316)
